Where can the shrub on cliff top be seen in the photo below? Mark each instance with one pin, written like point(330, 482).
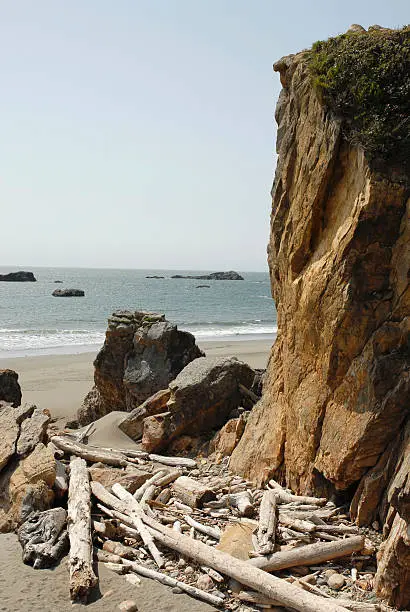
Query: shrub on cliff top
point(364, 77)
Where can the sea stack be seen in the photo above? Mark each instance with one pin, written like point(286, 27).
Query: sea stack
point(18, 277)
point(68, 293)
point(334, 418)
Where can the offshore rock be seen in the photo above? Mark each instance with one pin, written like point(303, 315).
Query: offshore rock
point(231, 275)
point(336, 395)
point(20, 277)
point(10, 390)
point(142, 353)
point(68, 293)
point(201, 398)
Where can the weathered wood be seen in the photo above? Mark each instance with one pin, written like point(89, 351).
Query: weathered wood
point(43, 537)
point(106, 557)
point(297, 524)
point(312, 554)
point(213, 532)
point(172, 582)
point(267, 523)
point(125, 524)
point(134, 510)
point(89, 453)
point(241, 501)
point(117, 548)
point(154, 478)
point(283, 497)
point(174, 461)
point(270, 586)
point(192, 492)
point(82, 577)
point(168, 478)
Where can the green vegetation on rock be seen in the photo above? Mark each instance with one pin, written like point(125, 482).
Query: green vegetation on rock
point(364, 78)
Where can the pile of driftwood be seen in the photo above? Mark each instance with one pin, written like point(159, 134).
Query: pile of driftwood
point(170, 529)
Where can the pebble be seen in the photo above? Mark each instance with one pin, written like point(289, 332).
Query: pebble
point(336, 581)
point(329, 573)
point(205, 582)
point(128, 606)
point(188, 570)
point(133, 579)
point(181, 563)
point(108, 593)
point(169, 565)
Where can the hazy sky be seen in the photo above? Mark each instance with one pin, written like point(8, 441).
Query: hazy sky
point(140, 133)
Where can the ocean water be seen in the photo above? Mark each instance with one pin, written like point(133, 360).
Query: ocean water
point(32, 321)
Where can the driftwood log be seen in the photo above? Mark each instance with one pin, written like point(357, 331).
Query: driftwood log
point(43, 537)
point(267, 523)
point(173, 461)
point(192, 492)
point(89, 453)
point(312, 554)
point(82, 577)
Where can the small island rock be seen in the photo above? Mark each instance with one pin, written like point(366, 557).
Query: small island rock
point(68, 293)
point(20, 277)
point(231, 275)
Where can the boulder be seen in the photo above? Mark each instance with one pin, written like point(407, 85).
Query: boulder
point(26, 486)
point(33, 430)
point(68, 293)
point(227, 438)
point(10, 423)
point(133, 424)
point(142, 353)
point(201, 399)
point(10, 390)
point(20, 277)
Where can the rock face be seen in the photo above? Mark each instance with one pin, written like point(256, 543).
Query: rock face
point(335, 409)
point(201, 399)
point(20, 277)
point(68, 293)
point(9, 387)
point(231, 275)
point(142, 353)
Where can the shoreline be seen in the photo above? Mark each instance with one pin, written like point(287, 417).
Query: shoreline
point(59, 382)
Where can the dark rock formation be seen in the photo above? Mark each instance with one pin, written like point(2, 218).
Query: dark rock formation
point(335, 410)
point(142, 353)
point(201, 399)
point(231, 275)
point(155, 276)
point(203, 286)
point(18, 277)
point(68, 293)
point(58, 281)
point(10, 390)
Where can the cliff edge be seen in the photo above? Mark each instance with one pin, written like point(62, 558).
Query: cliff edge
point(334, 417)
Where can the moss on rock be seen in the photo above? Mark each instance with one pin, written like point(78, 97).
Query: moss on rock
point(364, 77)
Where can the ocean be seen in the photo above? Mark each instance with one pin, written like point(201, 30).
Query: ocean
point(33, 322)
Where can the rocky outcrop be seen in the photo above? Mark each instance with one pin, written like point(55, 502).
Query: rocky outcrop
point(10, 390)
point(201, 399)
point(336, 395)
point(68, 293)
point(18, 277)
point(231, 275)
point(142, 353)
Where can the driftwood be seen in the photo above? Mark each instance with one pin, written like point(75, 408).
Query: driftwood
point(267, 523)
point(117, 548)
point(213, 532)
point(312, 554)
point(124, 524)
point(43, 537)
point(270, 586)
point(132, 508)
point(154, 478)
point(283, 497)
point(82, 577)
point(89, 453)
point(174, 461)
point(191, 492)
point(241, 501)
point(297, 524)
point(168, 478)
point(172, 582)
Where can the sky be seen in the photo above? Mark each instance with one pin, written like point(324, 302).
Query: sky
point(141, 133)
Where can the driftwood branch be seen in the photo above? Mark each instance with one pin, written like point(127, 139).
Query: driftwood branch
point(89, 453)
point(82, 577)
point(267, 523)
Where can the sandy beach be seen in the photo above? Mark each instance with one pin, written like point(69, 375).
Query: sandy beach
point(60, 382)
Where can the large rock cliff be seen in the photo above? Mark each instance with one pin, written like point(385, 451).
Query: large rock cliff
point(334, 416)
